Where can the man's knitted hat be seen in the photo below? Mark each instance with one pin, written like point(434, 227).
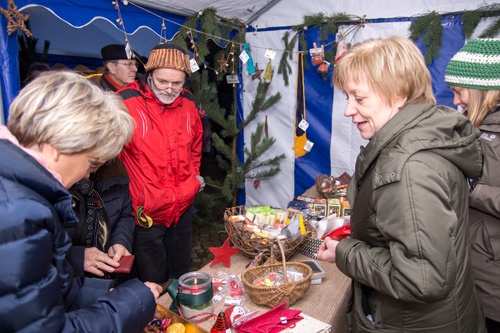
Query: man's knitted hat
point(476, 65)
point(168, 55)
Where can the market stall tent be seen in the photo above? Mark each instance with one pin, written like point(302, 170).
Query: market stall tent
point(80, 29)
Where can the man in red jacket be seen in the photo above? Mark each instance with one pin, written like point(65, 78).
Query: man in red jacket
point(163, 160)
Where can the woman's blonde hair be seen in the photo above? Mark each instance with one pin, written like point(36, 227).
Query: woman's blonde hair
point(394, 67)
point(481, 102)
point(72, 114)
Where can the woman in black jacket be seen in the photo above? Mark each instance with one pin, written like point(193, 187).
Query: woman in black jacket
point(58, 126)
point(103, 206)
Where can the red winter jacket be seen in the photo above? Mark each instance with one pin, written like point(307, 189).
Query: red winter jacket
point(164, 155)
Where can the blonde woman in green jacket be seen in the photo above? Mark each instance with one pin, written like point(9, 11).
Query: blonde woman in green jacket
point(408, 256)
point(474, 76)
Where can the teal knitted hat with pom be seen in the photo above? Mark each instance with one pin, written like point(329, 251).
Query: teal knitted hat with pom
point(476, 65)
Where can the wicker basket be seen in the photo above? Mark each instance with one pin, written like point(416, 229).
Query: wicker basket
point(272, 296)
point(250, 247)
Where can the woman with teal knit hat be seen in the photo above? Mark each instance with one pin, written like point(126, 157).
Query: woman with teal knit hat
point(474, 76)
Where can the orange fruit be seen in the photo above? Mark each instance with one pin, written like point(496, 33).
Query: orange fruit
point(176, 328)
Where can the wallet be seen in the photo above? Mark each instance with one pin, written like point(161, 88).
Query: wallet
point(125, 264)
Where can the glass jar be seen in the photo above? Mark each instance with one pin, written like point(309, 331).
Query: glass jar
point(195, 294)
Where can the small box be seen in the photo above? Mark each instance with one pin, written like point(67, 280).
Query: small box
point(318, 272)
point(346, 208)
point(334, 207)
point(320, 209)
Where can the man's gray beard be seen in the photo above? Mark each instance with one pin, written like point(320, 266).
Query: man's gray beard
point(162, 97)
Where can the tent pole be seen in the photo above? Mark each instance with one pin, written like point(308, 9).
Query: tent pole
point(261, 11)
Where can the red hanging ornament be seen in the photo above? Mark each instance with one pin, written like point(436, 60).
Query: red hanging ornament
point(323, 68)
point(256, 183)
point(317, 55)
point(221, 325)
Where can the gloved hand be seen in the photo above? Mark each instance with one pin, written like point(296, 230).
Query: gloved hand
point(202, 182)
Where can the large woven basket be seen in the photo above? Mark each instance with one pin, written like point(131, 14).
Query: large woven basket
point(290, 291)
point(250, 246)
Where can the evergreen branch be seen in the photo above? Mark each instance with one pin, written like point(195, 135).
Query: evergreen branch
point(221, 146)
point(433, 40)
point(259, 103)
point(470, 20)
point(430, 27)
point(284, 67)
point(492, 30)
point(223, 164)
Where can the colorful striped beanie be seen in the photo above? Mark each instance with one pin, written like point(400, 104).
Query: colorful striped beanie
point(168, 55)
point(476, 65)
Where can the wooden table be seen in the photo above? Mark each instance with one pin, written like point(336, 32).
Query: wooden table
point(326, 302)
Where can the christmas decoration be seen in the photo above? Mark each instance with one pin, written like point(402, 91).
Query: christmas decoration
point(258, 72)
point(221, 325)
point(222, 64)
point(341, 47)
point(317, 54)
point(323, 68)
point(250, 65)
point(430, 28)
point(223, 254)
point(15, 19)
point(268, 74)
point(300, 113)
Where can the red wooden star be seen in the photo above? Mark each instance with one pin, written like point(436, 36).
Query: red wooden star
point(223, 254)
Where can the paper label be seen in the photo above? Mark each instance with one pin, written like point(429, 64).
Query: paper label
point(303, 125)
point(244, 57)
point(232, 79)
point(128, 51)
point(308, 146)
point(270, 54)
point(194, 65)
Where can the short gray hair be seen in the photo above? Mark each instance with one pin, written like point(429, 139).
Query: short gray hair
point(72, 114)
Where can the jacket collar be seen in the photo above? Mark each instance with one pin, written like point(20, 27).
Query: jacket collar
point(415, 128)
point(19, 167)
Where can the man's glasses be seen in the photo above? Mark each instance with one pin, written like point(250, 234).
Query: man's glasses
point(164, 85)
point(129, 64)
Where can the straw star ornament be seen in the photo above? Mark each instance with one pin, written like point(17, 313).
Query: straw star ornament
point(223, 254)
point(15, 19)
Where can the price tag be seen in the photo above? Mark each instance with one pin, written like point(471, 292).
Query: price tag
point(308, 146)
point(128, 51)
point(303, 125)
point(194, 65)
point(231, 79)
point(270, 54)
point(244, 57)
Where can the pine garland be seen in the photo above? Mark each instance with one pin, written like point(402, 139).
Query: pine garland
point(429, 27)
point(329, 26)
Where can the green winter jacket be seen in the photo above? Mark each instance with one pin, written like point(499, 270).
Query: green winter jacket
point(484, 219)
point(409, 253)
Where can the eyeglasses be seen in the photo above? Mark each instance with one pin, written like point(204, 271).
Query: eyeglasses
point(131, 64)
point(164, 85)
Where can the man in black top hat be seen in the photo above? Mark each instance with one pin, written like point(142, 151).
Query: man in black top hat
point(120, 69)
